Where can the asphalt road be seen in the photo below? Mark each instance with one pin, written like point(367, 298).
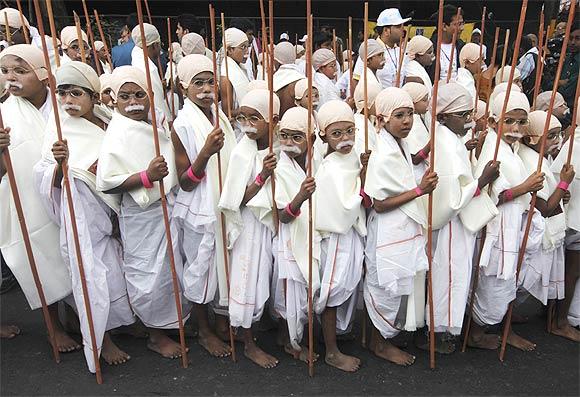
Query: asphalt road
point(27, 368)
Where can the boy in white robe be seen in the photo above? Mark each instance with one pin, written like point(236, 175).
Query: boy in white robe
point(420, 54)
point(236, 55)
point(340, 220)
point(302, 96)
point(373, 89)
point(153, 43)
point(497, 275)
point(418, 138)
point(125, 168)
point(324, 63)
point(25, 115)
point(69, 42)
point(395, 246)
point(470, 63)
point(375, 60)
point(460, 209)
point(197, 142)
point(83, 124)
point(249, 234)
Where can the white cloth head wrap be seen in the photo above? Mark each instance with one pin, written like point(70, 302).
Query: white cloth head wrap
point(418, 45)
point(285, 53)
point(69, 34)
point(537, 122)
point(31, 54)
point(176, 52)
point(79, 74)
point(192, 43)
point(99, 45)
point(469, 52)
point(192, 65)
point(391, 99)
point(417, 91)
point(259, 100)
point(373, 89)
point(480, 110)
point(106, 80)
point(296, 119)
point(257, 85)
point(151, 35)
point(300, 48)
point(506, 74)
point(543, 100)
point(322, 57)
point(127, 74)
point(374, 48)
point(235, 37)
point(333, 112)
point(516, 100)
point(453, 98)
point(502, 87)
point(301, 87)
point(13, 18)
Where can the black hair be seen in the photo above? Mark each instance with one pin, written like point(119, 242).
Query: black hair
point(320, 38)
point(526, 44)
point(243, 24)
point(449, 12)
point(189, 22)
point(131, 21)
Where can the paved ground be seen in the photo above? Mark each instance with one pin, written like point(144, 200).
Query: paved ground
point(27, 369)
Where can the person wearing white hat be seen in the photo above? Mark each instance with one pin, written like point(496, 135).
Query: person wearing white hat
point(249, 222)
point(235, 54)
point(390, 30)
point(511, 192)
point(420, 56)
point(373, 89)
point(284, 37)
point(196, 212)
point(476, 39)
point(303, 39)
point(102, 55)
point(83, 125)
point(324, 63)
point(70, 44)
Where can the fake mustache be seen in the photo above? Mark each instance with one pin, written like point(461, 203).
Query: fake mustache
point(290, 149)
point(134, 108)
point(69, 106)
point(247, 129)
point(516, 135)
point(344, 144)
point(15, 84)
point(206, 96)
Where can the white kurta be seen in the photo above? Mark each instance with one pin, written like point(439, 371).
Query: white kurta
point(138, 61)
point(326, 88)
point(465, 78)
point(238, 79)
point(27, 134)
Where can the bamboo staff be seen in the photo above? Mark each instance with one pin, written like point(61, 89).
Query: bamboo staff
point(170, 50)
point(28, 246)
point(7, 27)
point(219, 164)
point(66, 184)
point(159, 68)
point(351, 82)
point(102, 34)
point(521, 254)
point(505, 50)
point(493, 55)
point(478, 82)
point(264, 37)
point(538, 80)
point(430, 207)
point(574, 125)
point(53, 32)
point(309, 174)
point(168, 237)
point(365, 75)
point(402, 49)
point(22, 22)
point(271, 108)
point(229, 101)
point(92, 39)
point(80, 41)
point(453, 41)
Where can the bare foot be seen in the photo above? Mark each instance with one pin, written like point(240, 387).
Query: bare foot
point(64, 342)
point(566, 331)
point(163, 344)
point(259, 356)
point(483, 341)
point(214, 345)
point(441, 346)
point(342, 361)
point(517, 341)
point(111, 352)
point(9, 331)
point(301, 355)
point(387, 351)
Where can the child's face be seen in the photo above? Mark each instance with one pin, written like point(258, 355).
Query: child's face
point(200, 90)
point(133, 102)
point(75, 100)
point(315, 99)
point(376, 62)
point(252, 123)
point(74, 52)
point(20, 79)
point(293, 143)
point(340, 136)
point(514, 126)
point(106, 97)
point(400, 123)
point(459, 123)
point(329, 70)
point(422, 105)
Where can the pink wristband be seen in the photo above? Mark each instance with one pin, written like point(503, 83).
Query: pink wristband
point(477, 192)
point(423, 155)
point(508, 194)
point(259, 181)
point(192, 177)
point(563, 185)
point(288, 210)
point(366, 200)
point(418, 191)
point(147, 184)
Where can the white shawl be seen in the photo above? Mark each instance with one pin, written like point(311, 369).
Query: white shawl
point(326, 88)
point(419, 135)
point(238, 79)
point(158, 93)
point(359, 139)
point(414, 69)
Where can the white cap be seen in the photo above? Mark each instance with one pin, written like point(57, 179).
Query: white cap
point(303, 39)
point(476, 30)
point(391, 17)
point(284, 36)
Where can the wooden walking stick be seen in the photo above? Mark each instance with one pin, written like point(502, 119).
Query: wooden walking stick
point(478, 77)
point(80, 41)
point(365, 75)
point(53, 32)
point(168, 236)
point(7, 27)
point(402, 50)
point(28, 246)
point(521, 254)
point(102, 34)
point(538, 80)
point(22, 22)
point(67, 188)
point(350, 82)
point(505, 51)
point(229, 99)
point(453, 41)
point(92, 39)
point(430, 207)
point(264, 39)
point(219, 164)
point(170, 50)
point(271, 110)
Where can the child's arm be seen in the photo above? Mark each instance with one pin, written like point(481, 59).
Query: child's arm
point(427, 185)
